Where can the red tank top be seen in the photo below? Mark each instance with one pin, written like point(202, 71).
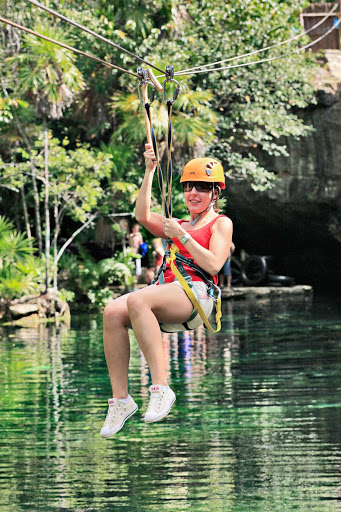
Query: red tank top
point(158, 260)
point(203, 237)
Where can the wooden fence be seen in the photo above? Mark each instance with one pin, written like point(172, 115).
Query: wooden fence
point(311, 15)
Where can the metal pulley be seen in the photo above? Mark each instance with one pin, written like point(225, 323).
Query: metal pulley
point(144, 80)
point(169, 72)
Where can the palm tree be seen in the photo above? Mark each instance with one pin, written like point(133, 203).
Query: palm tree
point(19, 271)
point(192, 117)
point(49, 78)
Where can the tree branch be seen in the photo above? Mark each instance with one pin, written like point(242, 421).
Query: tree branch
point(68, 242)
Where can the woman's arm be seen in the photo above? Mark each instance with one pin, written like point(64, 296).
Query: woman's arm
point(150, 220)
point(211, 260)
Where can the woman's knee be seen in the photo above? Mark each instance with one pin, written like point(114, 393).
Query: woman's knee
point(114, 312)
point(135, 302)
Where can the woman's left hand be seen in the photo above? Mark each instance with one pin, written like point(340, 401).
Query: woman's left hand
point(172, 228)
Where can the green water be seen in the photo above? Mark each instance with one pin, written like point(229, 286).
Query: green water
point(255, 428)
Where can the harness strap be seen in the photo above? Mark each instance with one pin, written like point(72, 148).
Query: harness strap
point(189, 292)
point(187, 261)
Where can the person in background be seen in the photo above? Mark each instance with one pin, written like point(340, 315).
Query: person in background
point(158, 254)
point(135, 240)
point(149, 276)
point(226, 270)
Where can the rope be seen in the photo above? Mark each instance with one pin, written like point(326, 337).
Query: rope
point(262, 49)
point(165, 184)
point(166, 204)
point(169, 157)
point(66, 46)
point(89, 31)
point(264, 60)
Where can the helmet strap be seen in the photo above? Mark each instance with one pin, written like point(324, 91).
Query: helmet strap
point(212, 203)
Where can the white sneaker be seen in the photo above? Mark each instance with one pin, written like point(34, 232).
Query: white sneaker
point(161, 400)
point(118, 413)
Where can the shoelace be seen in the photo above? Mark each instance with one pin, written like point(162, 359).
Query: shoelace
point(155, 400)
point(113, 411)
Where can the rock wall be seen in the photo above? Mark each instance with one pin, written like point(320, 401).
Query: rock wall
point(299, 220)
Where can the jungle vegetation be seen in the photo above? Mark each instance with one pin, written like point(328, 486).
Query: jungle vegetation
point(72, 131)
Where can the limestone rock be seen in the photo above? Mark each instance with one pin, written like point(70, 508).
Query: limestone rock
point(21, 310)
point(298, 221)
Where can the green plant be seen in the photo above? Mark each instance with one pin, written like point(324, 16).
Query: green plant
point(91, 281)
point(20, 271)
point(66, 295)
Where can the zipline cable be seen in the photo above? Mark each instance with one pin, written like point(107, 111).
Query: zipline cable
point(262, 49)
point(89, 31)
point(252, 63)
point(66, 46)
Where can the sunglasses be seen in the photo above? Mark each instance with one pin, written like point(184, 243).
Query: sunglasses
point(200, 186)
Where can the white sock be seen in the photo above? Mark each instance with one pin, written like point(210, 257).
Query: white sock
point(124, 400)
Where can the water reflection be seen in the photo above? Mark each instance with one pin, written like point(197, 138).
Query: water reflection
point(254, 429)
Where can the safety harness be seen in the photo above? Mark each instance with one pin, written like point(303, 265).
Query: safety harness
point(172, 255)
point(177, 261)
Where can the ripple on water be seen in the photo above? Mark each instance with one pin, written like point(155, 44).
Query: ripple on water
point(254, 427)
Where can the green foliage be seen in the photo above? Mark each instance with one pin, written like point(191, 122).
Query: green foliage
point(76, 175)
point(47, 72)
point(20, 272)
point(14, 246)
point(191, 120)
point(96, 123)
point(66, 295)
point(90, 281)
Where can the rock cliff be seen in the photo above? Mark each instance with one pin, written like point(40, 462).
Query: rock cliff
point(299, 220)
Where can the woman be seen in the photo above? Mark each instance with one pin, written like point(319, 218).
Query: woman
point(206, 239)
point(158, 253)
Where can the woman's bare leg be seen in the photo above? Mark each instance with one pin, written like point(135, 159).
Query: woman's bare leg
point(117, 345)
point(167, 304)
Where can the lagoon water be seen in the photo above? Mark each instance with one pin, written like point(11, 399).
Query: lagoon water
point(255, 428)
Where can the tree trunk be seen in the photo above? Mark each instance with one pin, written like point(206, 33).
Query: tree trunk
point(47, 211)
point(37, 210)
point(27, 222)
point(34, 178)
point(55, 247)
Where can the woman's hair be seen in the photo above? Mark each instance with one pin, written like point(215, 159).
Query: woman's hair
point(216, 204)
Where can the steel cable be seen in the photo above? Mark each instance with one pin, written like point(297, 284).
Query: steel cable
point(89, 31)
point(262, 49)
point(66, 46)
point(262, 60)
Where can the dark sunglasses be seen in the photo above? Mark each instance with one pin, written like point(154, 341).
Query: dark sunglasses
point(200, 186)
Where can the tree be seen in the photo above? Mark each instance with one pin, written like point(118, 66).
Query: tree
point(76, 179)
point(49, 78)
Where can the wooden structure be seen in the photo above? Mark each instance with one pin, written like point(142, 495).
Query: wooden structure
point(312, 15)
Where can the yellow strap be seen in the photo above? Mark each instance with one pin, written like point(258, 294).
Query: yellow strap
point(173, 250)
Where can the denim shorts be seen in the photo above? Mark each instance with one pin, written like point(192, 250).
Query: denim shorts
point(226, 270)
point(206, 302)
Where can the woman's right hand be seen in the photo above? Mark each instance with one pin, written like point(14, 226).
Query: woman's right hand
point(150, 158)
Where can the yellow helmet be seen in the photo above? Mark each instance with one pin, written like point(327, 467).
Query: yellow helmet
point(197, 170)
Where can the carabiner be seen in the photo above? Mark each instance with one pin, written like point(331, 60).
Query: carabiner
point(143, 74)
point(169, 72)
